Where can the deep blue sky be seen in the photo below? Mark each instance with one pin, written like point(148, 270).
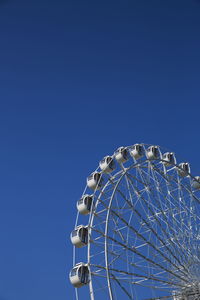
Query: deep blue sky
point(77, 80)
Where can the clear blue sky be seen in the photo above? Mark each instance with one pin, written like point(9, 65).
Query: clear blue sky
point(77, 80)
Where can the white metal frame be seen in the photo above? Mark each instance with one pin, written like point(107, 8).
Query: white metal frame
point(145, 221)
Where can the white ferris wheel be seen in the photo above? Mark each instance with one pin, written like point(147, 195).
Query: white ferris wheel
point(137, 231)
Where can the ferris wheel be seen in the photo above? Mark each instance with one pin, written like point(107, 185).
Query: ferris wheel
point(137, 231)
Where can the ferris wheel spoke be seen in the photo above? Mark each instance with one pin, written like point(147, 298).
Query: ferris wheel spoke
point(159, 298)
point(129, 248)
point(164, 197)
point(187, 189)
point(150, 277)
point(100, 287)
point(158, 250)
point(136, 283)
point(181, 247)
point(121, 286)
point(141, 268)
point(173, 237)
point(172, 197)
point(141, 236)
point(159, 223)
point(188, 229)
point(156, 181)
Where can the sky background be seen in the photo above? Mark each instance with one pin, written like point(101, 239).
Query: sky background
point(77, 80)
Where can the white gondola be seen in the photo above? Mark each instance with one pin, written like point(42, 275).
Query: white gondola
point(79, 236)
point(196, 183)
point(153, 152)
point(95, 181)
point(168, 159)
point(183, 169)
point(79, 275)
point(121, 155)
point(107, 164)
point(137, 151)
point(84, 204)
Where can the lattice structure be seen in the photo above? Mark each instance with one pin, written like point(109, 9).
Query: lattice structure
point(191, 292)
point(138, 227)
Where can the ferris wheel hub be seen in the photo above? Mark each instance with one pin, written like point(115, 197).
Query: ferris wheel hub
point(190, 292)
